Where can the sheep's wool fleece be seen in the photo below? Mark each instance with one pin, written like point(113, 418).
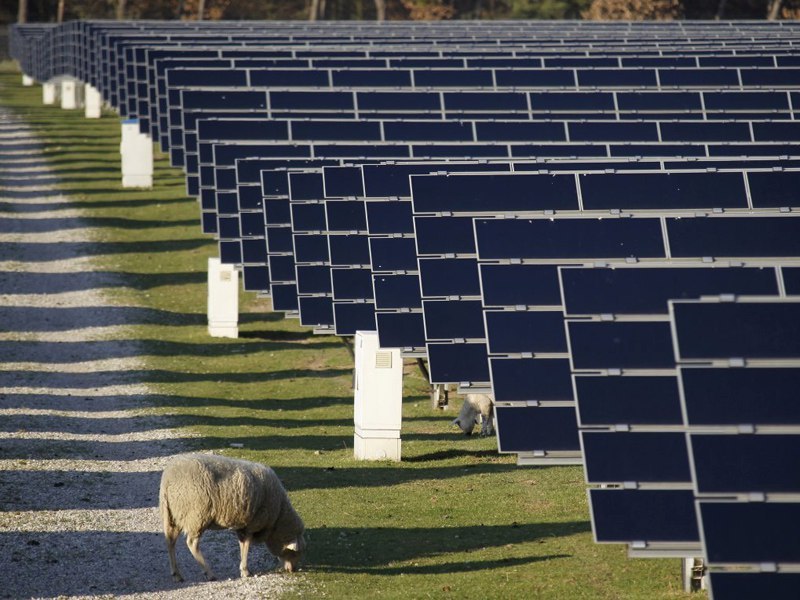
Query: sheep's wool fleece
point(206, 491)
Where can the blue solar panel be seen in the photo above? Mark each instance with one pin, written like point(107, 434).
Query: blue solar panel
point(349, 318)
point(734, 396)
point(531, 429)
point(756, 532)
point(566, 239)
point(493, 193)
point(520, 285)
point(628, 400)
point(765, 330)
point(613, 457)
point(738, 463)
point(511, 332)
point(454, 363)
point(397, 291)
point(449, 277)
point(401, 330)
point(526, 379)
point(647, 290)
point(621, 345)
point(453, 319)
point(742, 586)
point(665, 191)
point(626, 516)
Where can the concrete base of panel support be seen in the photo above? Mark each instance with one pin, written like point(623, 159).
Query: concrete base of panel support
point(27, 80)
point(378, 402)
point(223, 299)
point(693, 572)
point(136, 149)
point(71, 94)
point(49, 94)
point(92, 102)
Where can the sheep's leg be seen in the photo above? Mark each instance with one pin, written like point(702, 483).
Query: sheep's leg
point(193, 541)
point(487, 426)
point(171, 534)
point(244, 547)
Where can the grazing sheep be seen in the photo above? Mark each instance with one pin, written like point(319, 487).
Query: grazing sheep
point(476, 405)
point(201, 491)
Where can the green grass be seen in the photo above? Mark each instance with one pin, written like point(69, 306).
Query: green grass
point(454, 519)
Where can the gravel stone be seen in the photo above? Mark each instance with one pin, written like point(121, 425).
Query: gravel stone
point(81, 452)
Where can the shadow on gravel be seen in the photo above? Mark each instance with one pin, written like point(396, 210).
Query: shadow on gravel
point(127, 425)
point(68, 319)
point(75, 203)
point(63, 224)
point(65, 490)
point(101, 403)
point(121, 563)
point(98, 379)
point(65, 352)
point(53, 449)
point(14, 282)
point(57, 251)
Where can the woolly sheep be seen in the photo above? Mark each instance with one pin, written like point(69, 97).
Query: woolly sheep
point(476, 405)
point(200, 491)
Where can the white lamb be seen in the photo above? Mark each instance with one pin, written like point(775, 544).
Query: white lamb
point(475, 407)
point(201, 491)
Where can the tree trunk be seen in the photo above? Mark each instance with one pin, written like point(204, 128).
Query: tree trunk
point(179, 10)
point(774, 10)
point(721, 9)
point(380, 10)
point(120, 10)
point(322, 9)
point(22, 11)
point(313, 12)
point(60, 12)
point(201, 9)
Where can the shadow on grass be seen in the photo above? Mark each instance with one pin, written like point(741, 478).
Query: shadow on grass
point(449, 455)
point(375, 550)
point(278, 335)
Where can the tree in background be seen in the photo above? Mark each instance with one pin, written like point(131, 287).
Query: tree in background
point(634, 10)
point(22, 11)
point(428, 10)
point(369, 10)
point(547, 9)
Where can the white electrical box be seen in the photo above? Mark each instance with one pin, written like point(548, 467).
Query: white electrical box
point(378, 399)
point(223, 299)
point(71, 94)
point(136, 149)
point(48, 93)
point(92, 102)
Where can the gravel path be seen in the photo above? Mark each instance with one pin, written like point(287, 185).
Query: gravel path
point(81, 454)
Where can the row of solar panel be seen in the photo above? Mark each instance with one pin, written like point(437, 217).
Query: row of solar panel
point(600, 339)
point(147, 79)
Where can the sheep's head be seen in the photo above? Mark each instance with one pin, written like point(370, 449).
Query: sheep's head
point(291, 553)
point(466, 424)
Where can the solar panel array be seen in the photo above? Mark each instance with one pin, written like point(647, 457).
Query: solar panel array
point(597, 223)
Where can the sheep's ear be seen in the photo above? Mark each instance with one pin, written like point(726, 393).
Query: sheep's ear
point(293, 546)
